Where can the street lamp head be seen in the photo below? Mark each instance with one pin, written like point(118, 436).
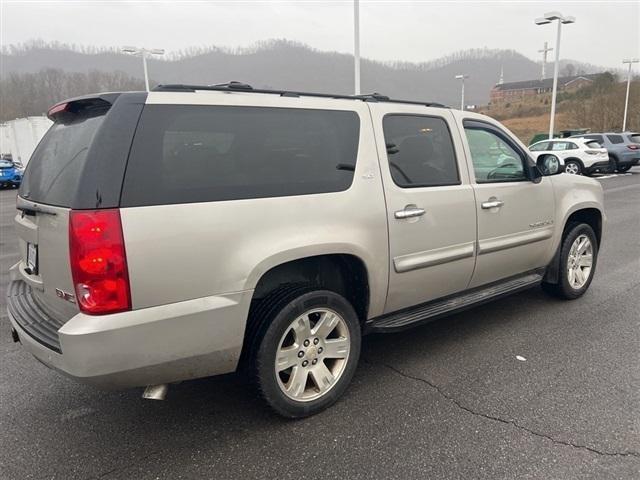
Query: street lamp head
point(461, 77)
point(157, 51)
point(631, 60)
point(542, 21)
point(568, 20)
point(553, 16)
point(129, 50)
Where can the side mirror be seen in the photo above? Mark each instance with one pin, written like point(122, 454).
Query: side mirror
point(549, 164)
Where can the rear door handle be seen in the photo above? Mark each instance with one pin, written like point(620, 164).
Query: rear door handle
point(492, 203)
point(409, 212)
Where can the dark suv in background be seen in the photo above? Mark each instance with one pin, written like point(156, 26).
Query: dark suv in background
point(623, 148)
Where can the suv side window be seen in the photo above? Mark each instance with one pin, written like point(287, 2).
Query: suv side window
point(494, 158)
point(540, 147)
point(197, 153)
point(557, 146)
point(615, 138)
point(420, 151)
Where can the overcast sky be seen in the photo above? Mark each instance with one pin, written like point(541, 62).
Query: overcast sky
point(605, 32)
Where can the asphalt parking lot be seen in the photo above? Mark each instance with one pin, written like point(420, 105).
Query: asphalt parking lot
point(447, 400)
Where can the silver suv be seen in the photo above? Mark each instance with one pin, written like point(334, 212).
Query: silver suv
point(194, 231)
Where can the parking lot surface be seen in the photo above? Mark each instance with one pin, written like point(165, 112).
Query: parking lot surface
point(524, 387)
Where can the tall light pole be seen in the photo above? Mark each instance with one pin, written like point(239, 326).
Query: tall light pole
point(630, 61)
point(462, 77)
point(548, 18)
point(356, 45)
point(144, 53)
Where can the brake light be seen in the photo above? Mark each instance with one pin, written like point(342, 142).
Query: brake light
point(633, 147)
point(61, 107)
point(98, 261)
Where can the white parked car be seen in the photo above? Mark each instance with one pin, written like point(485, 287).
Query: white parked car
point(581, 156)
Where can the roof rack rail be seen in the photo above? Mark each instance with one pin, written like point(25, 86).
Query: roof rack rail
point(244, 87)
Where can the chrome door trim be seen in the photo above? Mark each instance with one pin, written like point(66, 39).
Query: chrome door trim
point(513, 240)
point(429, 258)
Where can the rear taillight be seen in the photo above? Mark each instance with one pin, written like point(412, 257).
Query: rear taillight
point(633, 147)
point(98, 261)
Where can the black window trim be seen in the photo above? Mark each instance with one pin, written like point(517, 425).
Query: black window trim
point(455, 153)
point(528, 165)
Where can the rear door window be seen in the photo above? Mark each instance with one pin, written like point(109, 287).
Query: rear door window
point(55, 168)
point(420, 151)
point(539, 147)
point(185, 154)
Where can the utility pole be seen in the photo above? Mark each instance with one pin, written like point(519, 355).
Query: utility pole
point(356, 45)
point(144, 52)
point(630, 61)
point(544, 58)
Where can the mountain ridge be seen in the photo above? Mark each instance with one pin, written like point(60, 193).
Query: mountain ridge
point(284, 64)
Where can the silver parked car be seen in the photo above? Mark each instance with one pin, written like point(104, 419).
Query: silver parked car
point(624, 153)
point(194, 231)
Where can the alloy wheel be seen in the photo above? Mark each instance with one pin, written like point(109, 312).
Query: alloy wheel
point(572, 168)
point(312, 354)
point(579, 262)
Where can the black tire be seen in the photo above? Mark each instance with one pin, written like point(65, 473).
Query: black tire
point(562, 288)
point(273, 322)
point(613, 164)
point(623, 168)
point(578, 166)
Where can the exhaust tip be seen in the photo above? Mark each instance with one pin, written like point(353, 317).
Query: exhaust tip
point(156, 392)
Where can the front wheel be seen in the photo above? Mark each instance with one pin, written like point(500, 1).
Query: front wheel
point(578, 258)
point(623, 168)
point(308, 353)
point(573, 168)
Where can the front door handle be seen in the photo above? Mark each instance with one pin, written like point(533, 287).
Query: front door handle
point(492, 203)
point(409, 211)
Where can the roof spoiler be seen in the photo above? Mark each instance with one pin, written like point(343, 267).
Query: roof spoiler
point(64, 111)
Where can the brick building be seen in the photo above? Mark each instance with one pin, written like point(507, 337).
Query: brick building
point(519, 91)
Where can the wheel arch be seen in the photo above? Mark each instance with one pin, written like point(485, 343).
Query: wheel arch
point(592, 216)
point(344, 273)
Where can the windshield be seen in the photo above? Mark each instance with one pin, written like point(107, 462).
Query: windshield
point(6, 164)
point(55, 168)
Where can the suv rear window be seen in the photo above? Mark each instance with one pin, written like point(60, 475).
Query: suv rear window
point(55, 168)
point(597, 138)
point(193, 153)
point(634, 137)
point(615, 138)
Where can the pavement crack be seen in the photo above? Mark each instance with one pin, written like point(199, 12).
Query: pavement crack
point(442, 393)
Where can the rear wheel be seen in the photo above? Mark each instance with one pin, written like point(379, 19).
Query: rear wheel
point(307, 352)
point(573, 168)
point(578, 258)
point(623, 168)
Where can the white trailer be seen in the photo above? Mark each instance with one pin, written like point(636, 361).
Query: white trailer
point(20, 137)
